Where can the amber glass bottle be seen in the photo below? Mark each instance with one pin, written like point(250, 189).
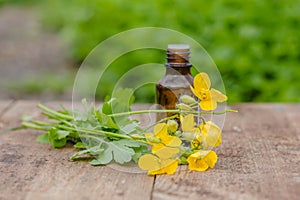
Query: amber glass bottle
point(177, 79)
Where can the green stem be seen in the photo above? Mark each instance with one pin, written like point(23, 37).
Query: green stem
point(104, 133)
point(215, 113)
point(97, 132)
point(43, 126)
point(34, 126)
point(141, 112)
point(58, 114)
point(162, 120)
point(194, 104)
point(171, 111)
point(41, 123)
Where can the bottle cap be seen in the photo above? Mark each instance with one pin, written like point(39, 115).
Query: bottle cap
point(178, 47)
point(178, 54)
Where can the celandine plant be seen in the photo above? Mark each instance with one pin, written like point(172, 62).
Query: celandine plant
point(108, 137)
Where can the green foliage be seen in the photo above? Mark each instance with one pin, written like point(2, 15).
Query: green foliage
point(107, 136)
point(104, 136)
point(254, 43)
point(118, 151)
point(23, 2)
point(58, 138)
point(56, 84)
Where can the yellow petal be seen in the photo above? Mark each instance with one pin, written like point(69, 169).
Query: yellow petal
point(160, 130)
point(195, 163)
point(167, 153)
point(210, 158)
point(187, 123)
point(170, 169)
point(213, 137)
point(166, 141)
point(173, 141)
point(157, 147)
point(196, 92)
point(217, 95)
point(149, 162)
point(201, 160)
point(189, 136)
point(201, 80)
point(208, 105)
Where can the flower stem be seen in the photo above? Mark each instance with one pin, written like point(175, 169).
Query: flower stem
point(55, 113)
point(162, 120)
point(171, 111)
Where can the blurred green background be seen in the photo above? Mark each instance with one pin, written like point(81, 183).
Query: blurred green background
point(254, 43)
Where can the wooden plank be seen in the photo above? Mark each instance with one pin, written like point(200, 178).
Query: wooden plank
point(4, 106)
point(30, 170)
point(259, 159)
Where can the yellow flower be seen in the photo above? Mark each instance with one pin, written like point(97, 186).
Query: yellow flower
point(190, 131)
point(201, 160)
point(188, 127)
point(163, 139)
point(163, 161)
point(188, 123)
point(212, 134)
point(209, 97)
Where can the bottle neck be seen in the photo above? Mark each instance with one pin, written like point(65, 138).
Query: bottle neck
point(178, 59)
point(184, 69)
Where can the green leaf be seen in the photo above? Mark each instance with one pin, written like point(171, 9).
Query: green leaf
point(61, 134)
point(103, 158)
point(130, 127)
point(123, 100)
point(94, 150)
point(57, 137)
point(79, 145)
point(120, 151)
point(139, 151)
point(79, 153)
point(129, 143)
point(105, 121)
point(43, 138)
point(106, 107)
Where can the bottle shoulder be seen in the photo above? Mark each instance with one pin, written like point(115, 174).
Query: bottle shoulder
point(176, 81)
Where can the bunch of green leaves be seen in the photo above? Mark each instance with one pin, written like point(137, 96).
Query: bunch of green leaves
point(249, 40)
point(95, 130)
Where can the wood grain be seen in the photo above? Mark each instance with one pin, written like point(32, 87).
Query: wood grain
point(259, 159)
point(4, 105)
point(35, 171)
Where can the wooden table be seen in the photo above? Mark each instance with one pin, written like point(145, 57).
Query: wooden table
point(259, 159)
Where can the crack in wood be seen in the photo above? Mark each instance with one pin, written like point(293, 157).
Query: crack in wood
point(7, 107)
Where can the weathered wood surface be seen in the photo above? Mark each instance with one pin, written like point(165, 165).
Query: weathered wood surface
point(259, 159)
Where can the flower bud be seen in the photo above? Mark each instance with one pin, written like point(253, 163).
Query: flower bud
point(177, 133)
point(182, 106)
point(187, 99)
point(153, 139)
point(172, 126)
point(183, 160)
point(136, 136)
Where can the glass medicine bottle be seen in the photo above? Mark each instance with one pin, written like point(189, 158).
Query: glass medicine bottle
point(177, 79)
